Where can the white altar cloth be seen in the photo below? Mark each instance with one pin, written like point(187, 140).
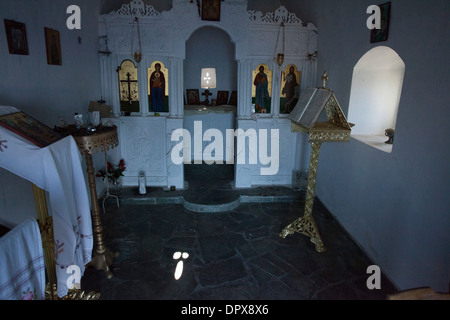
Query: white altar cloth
point(56, 169)
point(22, 275)
point(190, 110)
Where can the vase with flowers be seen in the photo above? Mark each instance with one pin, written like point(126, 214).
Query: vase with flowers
point(112, 176)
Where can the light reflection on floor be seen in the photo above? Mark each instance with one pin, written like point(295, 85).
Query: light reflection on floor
point(180, 265)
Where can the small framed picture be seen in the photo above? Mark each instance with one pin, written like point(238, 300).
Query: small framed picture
point(378, 35)
point(53, 44)
point(222, 97)
point(193, 97)
point(17, 37)
point(211, 10)
point(233, 98)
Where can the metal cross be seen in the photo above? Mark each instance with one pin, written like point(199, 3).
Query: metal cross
point(129, 82)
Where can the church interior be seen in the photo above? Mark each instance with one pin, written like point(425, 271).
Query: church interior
point(211, 114)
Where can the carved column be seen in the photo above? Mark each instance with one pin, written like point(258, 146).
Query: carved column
point(244, 89)
point(143, 86)
point(176, 109)
point(113, 83)
point(106, 85)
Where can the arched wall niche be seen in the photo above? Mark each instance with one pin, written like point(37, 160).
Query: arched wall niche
point(163, 37)
point(189, 30)
point(210, 47)
point(375, 95)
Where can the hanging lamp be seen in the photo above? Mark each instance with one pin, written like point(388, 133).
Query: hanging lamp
point(138, 54)
point(280, 56)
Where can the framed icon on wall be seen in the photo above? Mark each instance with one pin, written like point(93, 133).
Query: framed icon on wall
point(211, 10)
point(53, 45)
point(378, 35)
point(16, 36)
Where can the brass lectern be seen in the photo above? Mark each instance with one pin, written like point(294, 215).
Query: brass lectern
point(336, 129)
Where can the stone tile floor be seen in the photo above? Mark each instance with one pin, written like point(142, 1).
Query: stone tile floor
point(235, 254)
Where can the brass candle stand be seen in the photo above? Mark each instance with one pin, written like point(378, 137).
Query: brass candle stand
point(102, 140)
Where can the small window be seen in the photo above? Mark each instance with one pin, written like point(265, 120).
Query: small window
point(375, 95)
point(128, 87)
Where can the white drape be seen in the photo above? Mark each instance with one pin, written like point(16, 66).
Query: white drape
point(58, 170)
point(22, 275)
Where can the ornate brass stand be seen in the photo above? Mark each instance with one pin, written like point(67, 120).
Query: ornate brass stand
point(306, 224)
point(45, 223)
point(72, 294)
point(336, 129)
point(102, 141)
